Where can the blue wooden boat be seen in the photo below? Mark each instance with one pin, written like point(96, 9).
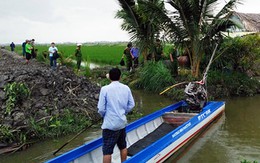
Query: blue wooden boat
point(153, 138)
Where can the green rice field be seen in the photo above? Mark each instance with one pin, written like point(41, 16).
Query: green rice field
point(107, 53)
point(97, 53)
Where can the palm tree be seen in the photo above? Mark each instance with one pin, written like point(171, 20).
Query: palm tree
point(141, 25)
point(192, 24)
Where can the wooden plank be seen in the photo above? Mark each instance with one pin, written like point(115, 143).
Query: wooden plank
point(177, 118)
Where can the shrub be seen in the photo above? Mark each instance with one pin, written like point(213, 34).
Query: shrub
point(154, 76)
point(231, 84)
point(239, 54)
point(57, 125)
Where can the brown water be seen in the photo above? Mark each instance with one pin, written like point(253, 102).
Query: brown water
point(233, 138)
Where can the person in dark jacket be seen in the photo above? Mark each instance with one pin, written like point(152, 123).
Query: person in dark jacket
point(12, 46)
point(23, 46)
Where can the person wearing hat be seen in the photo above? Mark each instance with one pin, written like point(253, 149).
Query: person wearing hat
point(78, 55)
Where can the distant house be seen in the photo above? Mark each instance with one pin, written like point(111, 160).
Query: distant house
point(248, 23)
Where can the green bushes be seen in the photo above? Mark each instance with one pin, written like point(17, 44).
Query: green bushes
point(15, 93)
point(57, 125)
point(246, 161)
point(239, 54)
point(47, 127)
point(154, 76)
point(6, 136)
point(221, 84)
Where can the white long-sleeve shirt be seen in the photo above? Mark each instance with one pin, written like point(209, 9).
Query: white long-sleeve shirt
point(115, 101)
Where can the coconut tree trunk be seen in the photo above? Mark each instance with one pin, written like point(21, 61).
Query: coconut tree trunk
point(195, 68)
point(144, 53)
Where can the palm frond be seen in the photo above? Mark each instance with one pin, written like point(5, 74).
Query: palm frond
point(227, 8)
point(128, 8)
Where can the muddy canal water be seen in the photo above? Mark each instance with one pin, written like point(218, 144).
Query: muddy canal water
point(233, 138)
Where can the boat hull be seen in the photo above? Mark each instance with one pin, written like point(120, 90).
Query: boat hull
point(157, 151)
point(186, 137)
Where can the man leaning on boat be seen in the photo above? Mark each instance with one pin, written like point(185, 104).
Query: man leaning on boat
point(115, 101)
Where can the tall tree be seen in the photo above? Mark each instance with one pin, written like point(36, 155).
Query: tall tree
point(193, 24)
point(142, 26)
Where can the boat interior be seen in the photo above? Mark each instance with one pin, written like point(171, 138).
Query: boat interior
point(156, 129)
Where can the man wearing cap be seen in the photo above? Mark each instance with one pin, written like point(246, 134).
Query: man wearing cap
point(78, 55)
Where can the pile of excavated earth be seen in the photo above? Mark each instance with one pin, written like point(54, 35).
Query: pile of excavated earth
point(50, 90)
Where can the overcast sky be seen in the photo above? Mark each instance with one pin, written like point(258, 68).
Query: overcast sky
point(69, 20)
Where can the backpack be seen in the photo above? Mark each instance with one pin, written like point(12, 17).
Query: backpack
point(55, 55)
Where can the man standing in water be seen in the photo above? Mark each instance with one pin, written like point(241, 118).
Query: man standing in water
point(115, 101)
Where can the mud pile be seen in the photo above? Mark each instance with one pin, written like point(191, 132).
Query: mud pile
point(50, 91)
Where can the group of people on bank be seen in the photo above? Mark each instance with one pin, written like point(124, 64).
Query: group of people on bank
point(30, 52)
point(131, 53)
point(54, 55)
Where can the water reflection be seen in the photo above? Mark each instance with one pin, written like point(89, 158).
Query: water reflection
point(147, 103)
point(91, 65)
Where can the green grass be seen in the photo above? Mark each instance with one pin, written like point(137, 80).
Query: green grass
point(98, 53)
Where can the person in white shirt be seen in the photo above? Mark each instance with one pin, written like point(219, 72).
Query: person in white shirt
point(115, 101)
point(52, 50)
